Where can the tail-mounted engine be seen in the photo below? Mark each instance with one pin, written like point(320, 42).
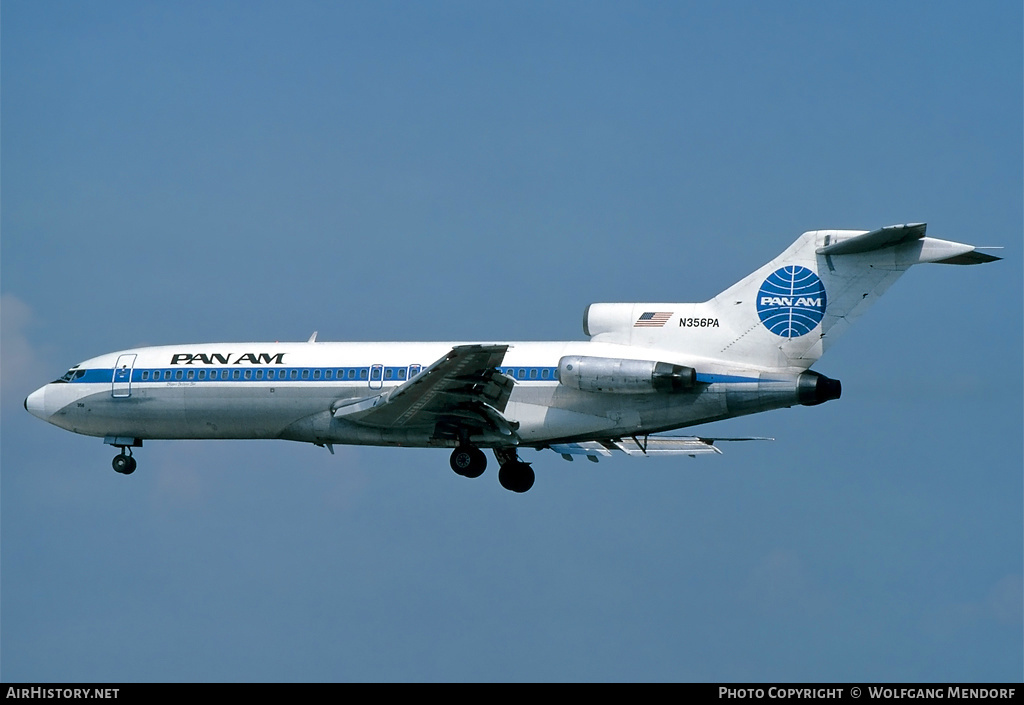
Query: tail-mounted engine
point(617, 376)
point(814, 388)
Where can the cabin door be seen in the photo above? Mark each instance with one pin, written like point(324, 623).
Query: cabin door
point(122, 384)
point(376, 376)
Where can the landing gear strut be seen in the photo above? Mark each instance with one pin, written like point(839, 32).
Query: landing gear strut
point(514, 475)
point(468, 461)
point(124, 463)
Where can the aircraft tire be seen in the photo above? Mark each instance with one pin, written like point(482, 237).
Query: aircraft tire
point(516, 476)
point(468, 461)
point(124, 464)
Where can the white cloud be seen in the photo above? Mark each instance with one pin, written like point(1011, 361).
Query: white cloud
point(20, 367)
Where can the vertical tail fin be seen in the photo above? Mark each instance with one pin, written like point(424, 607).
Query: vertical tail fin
point(787, 313)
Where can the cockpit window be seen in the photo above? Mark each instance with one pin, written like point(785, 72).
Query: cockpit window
point(73, 373)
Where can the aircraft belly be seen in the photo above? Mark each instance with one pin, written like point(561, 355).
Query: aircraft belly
point(250, 412)
point(329, 430)
point(190, 412)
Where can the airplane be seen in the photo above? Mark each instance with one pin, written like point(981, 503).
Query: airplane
point(647, 369)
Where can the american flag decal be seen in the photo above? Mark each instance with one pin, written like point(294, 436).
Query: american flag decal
point(653, 319)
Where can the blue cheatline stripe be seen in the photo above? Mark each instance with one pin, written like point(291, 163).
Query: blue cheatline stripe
point(289, 374)
point(713, 379)
point(326, 374)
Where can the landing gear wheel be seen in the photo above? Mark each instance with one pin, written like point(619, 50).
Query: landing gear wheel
point(516, 476)
point(468, 461)
point(124, 464)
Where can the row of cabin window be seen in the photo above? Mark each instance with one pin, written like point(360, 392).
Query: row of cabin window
point(531, 372)
point(351, 373)
point(261, 374)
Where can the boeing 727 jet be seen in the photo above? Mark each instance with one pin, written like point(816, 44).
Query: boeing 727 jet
point(647, 369)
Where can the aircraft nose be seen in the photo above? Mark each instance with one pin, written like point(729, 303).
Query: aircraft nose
point(35, 403)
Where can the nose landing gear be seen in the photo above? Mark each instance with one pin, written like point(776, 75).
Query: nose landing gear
point(124, 463)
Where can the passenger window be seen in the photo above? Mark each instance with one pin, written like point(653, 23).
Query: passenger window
point(177, 375)
point(294, 374)
point(401, 373)
point(191, 374)
point(533, 373)
point(544, 373)
point(362, 373)
point(235, 374)
point(522, 374)
point(305, 374)
point(328, 374)
point(316, 374)
point(388, 373)
point(145, 375)
point(259, 374)
point(248, 374)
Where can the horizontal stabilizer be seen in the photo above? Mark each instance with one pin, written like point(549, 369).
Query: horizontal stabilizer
point(973, 257)
point(876, 240)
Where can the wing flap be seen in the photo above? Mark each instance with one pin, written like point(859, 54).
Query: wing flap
point(650, 446)
point(646, 446)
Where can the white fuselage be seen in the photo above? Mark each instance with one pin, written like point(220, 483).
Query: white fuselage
point(288, 391)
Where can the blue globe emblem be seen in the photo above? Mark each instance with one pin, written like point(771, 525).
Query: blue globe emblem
point(791, 302)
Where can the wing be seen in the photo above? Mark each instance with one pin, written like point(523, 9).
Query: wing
point(645, 446)
point(461, 394)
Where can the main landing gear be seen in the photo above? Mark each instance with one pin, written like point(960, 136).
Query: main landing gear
point(514, 475)
point(468, 461)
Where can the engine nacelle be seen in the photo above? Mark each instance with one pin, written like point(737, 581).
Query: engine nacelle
point(608, 319)
point(618, 376)
point(814, 388)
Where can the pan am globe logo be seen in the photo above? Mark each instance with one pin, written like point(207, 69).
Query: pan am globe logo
point(791, 302)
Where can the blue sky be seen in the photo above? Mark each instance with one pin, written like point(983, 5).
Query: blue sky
point(188, 172)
